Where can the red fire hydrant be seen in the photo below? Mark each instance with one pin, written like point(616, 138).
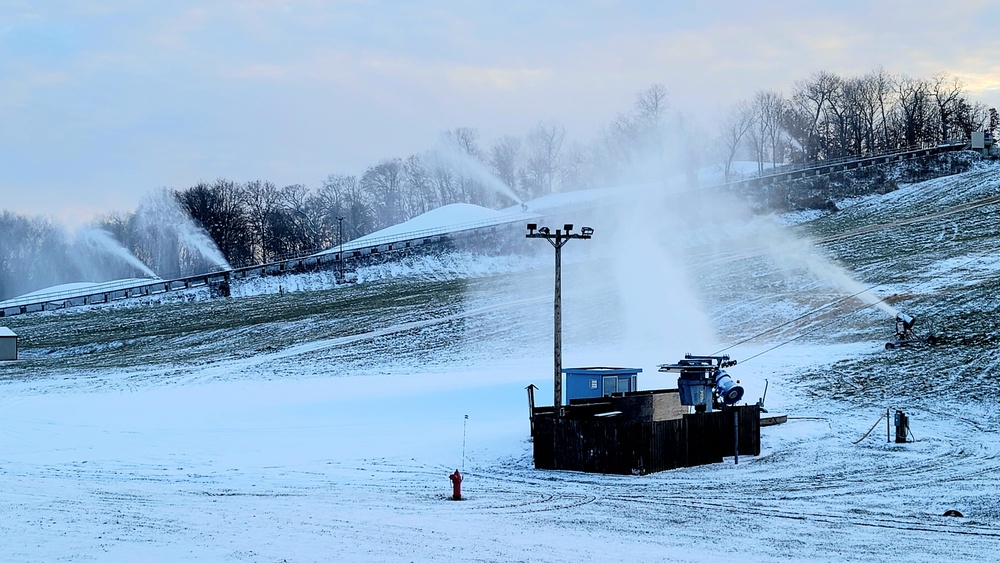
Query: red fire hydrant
point(456, 485)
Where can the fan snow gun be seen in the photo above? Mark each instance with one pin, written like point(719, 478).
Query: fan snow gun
point(904, 333)
point(904, 326)
point(703, 383)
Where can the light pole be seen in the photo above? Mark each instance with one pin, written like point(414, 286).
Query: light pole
point(558, 239)
point(340, 237)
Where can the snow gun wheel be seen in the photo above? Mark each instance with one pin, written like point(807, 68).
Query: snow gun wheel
point(889, 345)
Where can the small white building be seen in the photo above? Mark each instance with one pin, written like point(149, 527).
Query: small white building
point(8, 344)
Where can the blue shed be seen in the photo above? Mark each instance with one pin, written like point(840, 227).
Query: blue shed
point(8, 344)
point(596, 382)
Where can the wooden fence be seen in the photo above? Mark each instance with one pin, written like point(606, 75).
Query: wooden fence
point(611, 445)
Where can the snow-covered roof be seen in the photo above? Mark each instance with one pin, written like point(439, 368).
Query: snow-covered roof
point(6, 332)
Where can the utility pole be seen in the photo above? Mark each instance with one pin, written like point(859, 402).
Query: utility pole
point(340, 237)
point(558, 240)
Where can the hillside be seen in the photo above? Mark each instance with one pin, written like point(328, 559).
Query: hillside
point(321, 422)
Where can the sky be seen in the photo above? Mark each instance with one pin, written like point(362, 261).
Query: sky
point(105, 100)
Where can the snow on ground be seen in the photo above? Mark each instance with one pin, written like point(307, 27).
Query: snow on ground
point(299, 454)
point(316, 470)
point(442, 219)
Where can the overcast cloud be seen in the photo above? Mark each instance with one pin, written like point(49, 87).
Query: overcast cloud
point(104, 100)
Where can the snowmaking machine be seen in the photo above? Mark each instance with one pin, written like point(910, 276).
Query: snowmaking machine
point(905, 336)
point(703, 383)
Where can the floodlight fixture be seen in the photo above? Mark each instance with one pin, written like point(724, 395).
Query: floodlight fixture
point(567, 228)
point(544, 230)
point(587, 231)
point(532, 227)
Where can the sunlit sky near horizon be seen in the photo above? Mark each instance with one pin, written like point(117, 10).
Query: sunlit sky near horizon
point(105, 100)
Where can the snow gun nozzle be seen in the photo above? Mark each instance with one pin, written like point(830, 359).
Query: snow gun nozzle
point(907, 320)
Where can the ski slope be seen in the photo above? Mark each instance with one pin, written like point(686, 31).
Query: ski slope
point(321, 422)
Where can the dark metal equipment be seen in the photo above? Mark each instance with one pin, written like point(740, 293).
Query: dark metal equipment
point(760, 401)
point(704, 384)
point(902, 423)
point(904, 335)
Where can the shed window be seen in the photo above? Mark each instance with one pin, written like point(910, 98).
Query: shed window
point(610, 385)
point(593, 384)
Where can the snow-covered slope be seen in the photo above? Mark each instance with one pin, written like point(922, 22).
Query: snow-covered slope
point(321, 422)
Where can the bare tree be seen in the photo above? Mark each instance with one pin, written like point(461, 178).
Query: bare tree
point(344, 197)
point(576, 171)
point(219, 208)
point(947, 92)
point(735, 128)
point(444, 179)
point(298, 223)
point(418, 193)
point(383, 183)
point(505, 161)
point(332, 200)
point(466, 139)
point(811, 97)
point(262, 202)
point(765, 134)
point(545, 142)
point(466, 161)
point(883, 89)
point(650, 111)
point(969, 117)
point(860, 112)
point(914, 111)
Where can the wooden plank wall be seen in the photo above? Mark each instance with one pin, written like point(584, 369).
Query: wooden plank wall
point(614, 445)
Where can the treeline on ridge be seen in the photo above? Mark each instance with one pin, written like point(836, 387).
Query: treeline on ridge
point(826, 116)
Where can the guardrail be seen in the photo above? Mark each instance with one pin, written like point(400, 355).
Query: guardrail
point(826, 163)
point(105, 287)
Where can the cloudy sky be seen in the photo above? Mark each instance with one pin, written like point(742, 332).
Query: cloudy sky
point(102, 101)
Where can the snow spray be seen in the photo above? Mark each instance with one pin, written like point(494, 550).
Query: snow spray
point(171, 232)
point(659, 300)
point(101, 240)
point(450, 154)
point(790, 252)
